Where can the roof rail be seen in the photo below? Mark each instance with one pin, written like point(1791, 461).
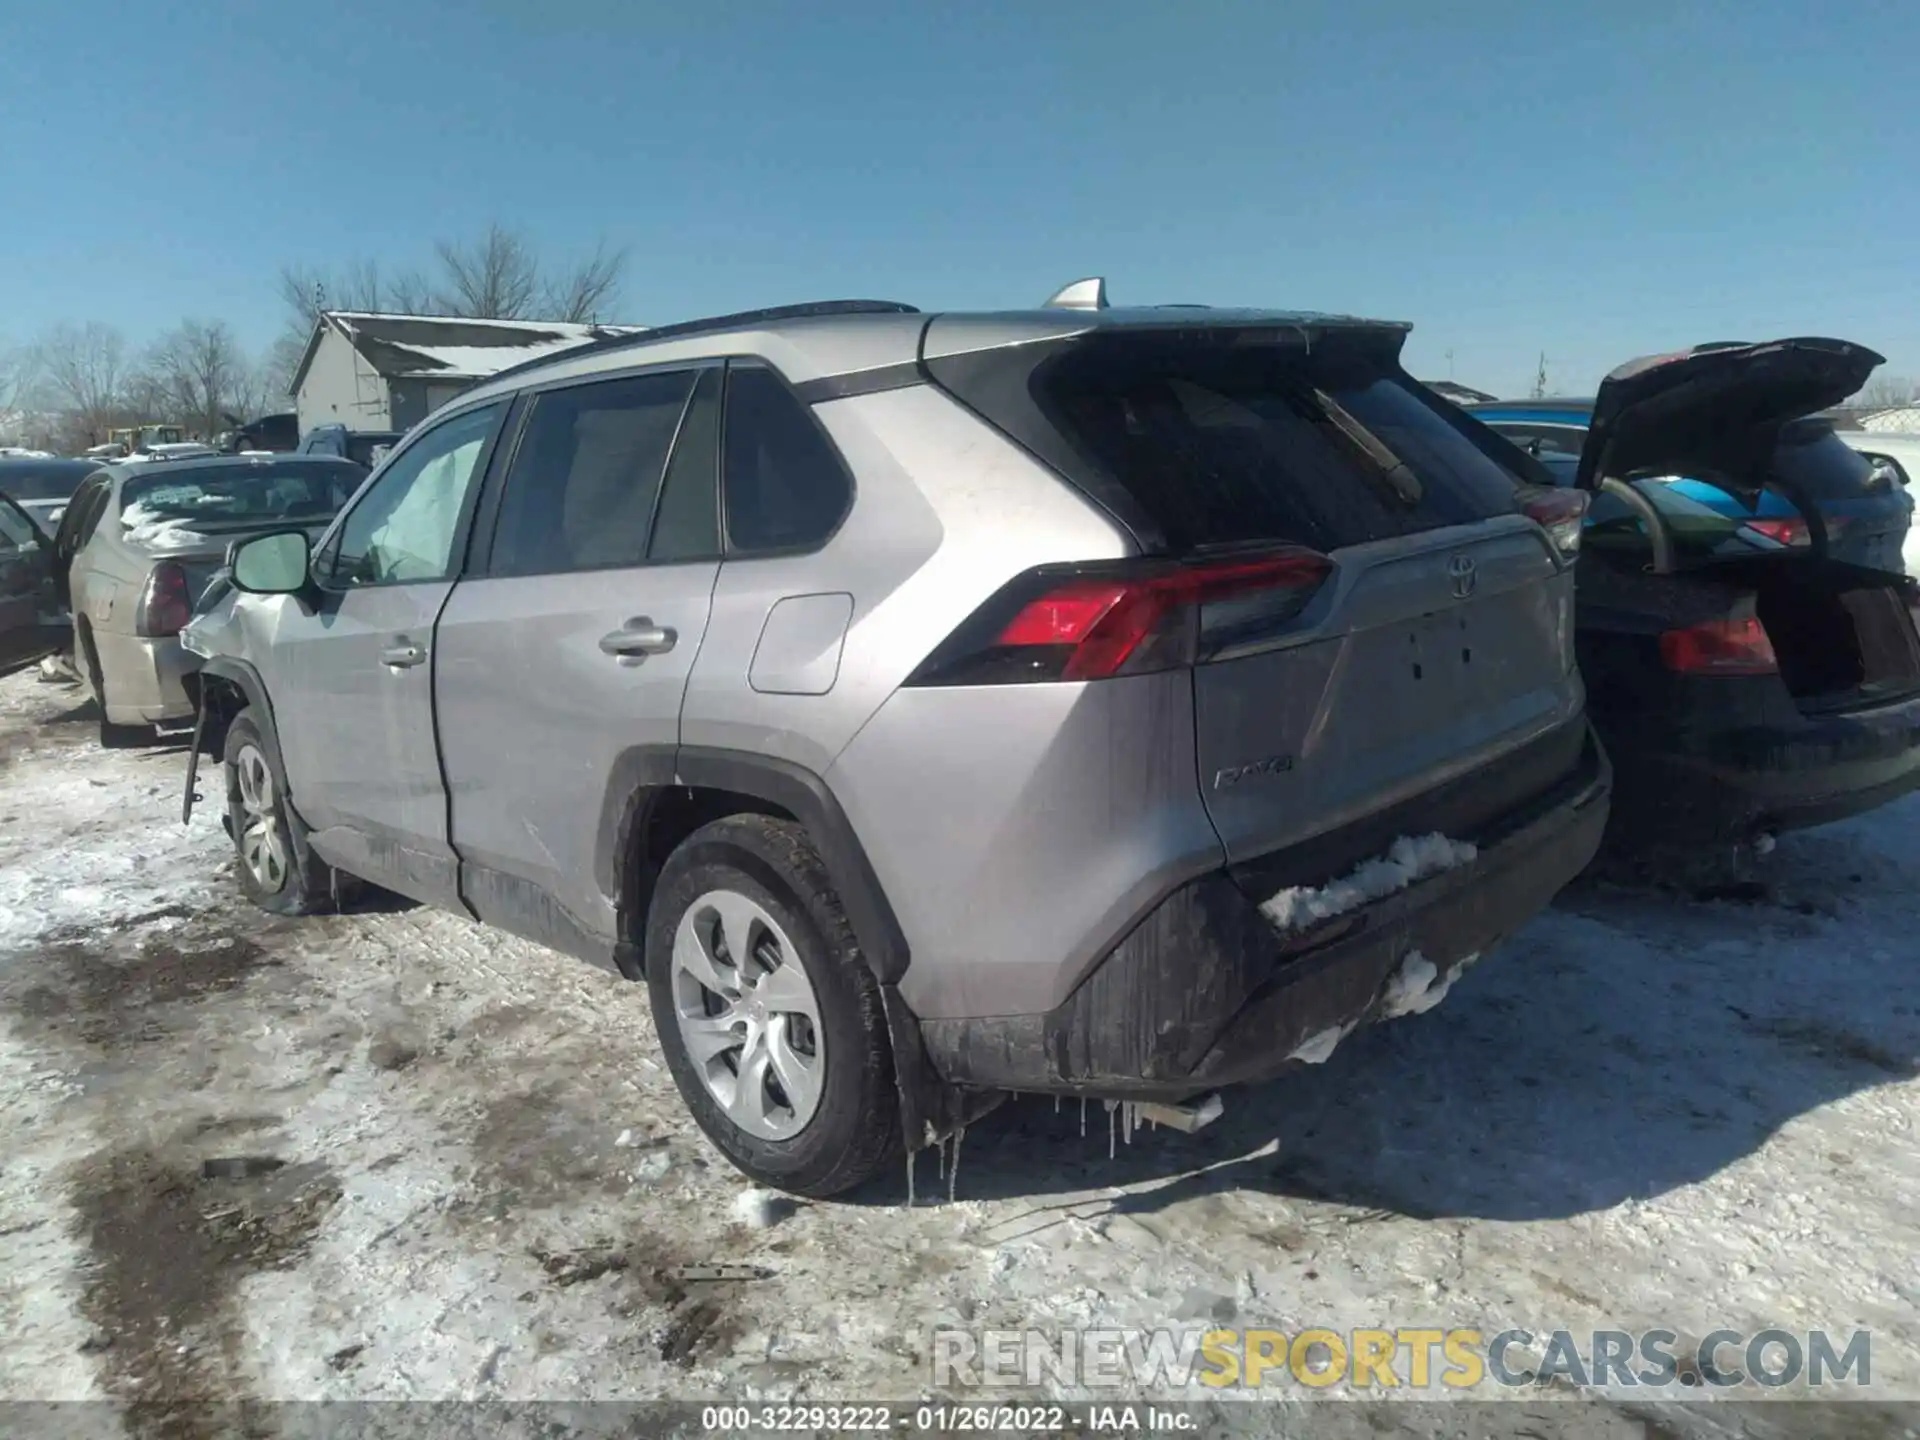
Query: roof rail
point(740, 320)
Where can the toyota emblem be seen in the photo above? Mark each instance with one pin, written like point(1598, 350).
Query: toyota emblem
point(1460, 574)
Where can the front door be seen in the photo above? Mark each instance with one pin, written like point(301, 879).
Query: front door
point(30, 626)
point(353, 681)
point(572, 645)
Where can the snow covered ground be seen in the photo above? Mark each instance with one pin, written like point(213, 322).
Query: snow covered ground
point(390, 1155)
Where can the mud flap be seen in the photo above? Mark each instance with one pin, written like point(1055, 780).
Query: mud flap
point(931, 1109)
point(193, 759)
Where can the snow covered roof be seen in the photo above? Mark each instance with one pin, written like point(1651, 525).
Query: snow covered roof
point(449, 347)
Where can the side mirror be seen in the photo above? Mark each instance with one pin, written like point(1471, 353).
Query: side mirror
point(274, 564)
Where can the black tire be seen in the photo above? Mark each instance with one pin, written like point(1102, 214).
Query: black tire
point(306, 883)
point(855, 1128)
point(112, 736)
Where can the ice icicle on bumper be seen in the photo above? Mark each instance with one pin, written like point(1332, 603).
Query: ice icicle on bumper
point(1410, 859)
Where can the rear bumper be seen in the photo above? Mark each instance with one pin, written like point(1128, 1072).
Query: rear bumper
point(1738, 782)
point(1205, 992)
point(143, 678)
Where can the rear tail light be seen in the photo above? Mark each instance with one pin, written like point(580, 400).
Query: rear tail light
point(1720, 647)
point(1559, 512)
point(1093, 622)
point(1791, 530)
point(165, 604)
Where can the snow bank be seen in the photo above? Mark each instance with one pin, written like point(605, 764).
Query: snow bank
point(1411, 858)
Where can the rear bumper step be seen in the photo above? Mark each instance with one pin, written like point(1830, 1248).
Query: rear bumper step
point(1203, 992)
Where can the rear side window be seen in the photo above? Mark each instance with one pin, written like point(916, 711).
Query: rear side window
point(784, 484)
point(687, 525)
point(586, 474)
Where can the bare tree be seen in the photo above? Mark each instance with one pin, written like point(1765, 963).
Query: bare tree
point(203, 373)
point(493, 278)
point(584, 292)
point(85, 367)
point(19, 373)
point(1884, 392)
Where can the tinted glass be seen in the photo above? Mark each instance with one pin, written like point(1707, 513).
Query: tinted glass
point(1815, 460)
point(687, 526)
point(369, 450)
point(403, 528)
point(785, 486)
point(42, 479)
point(1698, 532)
point(16, 531)
point(586, 474)
point(1223, 444)
point(208, 497)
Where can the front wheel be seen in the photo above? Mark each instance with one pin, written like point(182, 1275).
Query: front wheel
point(278, 871)
point(770, 1020)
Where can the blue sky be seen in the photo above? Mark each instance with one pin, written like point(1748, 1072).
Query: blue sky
point(1594, 181)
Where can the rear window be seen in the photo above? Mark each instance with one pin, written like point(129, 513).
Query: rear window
point(43, 480)
point(239, 494)
point(1818, 462)
point(1221, 444)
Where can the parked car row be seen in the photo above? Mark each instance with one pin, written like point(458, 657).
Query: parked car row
point(1113, 703)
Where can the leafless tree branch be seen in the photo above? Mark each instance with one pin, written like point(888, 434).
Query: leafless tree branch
point(493, 278)
point(586, 291)
point(1885, 392)
point(85, 367)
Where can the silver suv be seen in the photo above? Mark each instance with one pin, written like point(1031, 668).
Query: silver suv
point(1112, 703)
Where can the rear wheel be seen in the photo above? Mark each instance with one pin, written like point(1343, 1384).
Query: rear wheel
point(769, 1018)
point(278, 870)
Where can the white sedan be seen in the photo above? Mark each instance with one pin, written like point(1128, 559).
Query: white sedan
point(1900, 454)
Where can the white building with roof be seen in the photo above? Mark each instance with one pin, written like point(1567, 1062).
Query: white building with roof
point(388, 372)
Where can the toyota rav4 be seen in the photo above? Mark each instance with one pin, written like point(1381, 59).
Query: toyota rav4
point(932, 707)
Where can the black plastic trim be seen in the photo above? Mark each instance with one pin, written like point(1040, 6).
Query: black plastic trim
point(642, 774)
point(863, 382)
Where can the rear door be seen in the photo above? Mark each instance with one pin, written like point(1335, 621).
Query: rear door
point(570, 645)
point(1443, 636)
point(31, 627)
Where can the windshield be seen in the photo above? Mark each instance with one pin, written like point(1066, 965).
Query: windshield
point(209, 497)
point(48, 480)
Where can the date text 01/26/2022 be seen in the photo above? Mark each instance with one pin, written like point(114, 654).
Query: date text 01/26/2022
point(944, 1419)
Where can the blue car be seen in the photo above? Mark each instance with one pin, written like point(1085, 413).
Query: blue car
point(1865, 514)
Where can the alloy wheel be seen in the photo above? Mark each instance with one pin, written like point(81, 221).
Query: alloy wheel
point(748, 1015)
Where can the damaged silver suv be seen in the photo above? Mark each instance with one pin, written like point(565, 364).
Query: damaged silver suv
point(932, 707)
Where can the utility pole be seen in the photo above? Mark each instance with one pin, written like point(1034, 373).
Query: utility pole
point(1540, 382)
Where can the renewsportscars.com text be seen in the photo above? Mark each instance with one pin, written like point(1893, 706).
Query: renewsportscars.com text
point(1401, 1358)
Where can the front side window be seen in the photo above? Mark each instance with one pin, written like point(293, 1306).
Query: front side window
point(785, 486)
point(16, 531)
point(586, 475)
point(404, 527)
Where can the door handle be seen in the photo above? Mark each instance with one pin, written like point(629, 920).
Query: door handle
point(639, 638)
point(404, 655)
